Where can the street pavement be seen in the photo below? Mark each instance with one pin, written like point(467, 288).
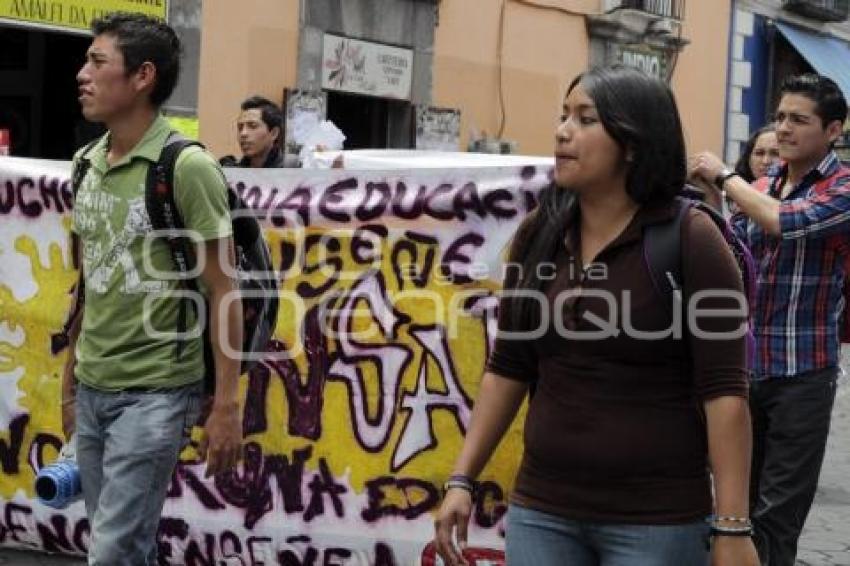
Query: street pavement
point(826, 538)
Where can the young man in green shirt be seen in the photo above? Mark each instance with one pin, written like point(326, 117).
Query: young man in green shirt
point(131, 400)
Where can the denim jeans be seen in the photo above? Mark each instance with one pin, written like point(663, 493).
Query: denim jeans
point(128, 443)
point(534, 538)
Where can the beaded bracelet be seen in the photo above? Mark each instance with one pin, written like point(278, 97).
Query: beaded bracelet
point(745, 520)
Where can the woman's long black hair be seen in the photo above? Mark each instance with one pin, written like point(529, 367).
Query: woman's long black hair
point(742, 166)
point(640, 114)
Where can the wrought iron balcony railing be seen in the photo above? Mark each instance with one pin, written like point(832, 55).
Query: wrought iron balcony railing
point(673, 9)
point(823, 10)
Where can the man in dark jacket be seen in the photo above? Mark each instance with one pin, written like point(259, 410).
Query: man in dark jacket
point(259, 131)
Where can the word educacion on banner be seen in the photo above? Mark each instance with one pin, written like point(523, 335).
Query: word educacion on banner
point(346, 443)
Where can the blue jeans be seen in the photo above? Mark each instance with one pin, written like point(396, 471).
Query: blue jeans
point(128, 443)
point(534, 538)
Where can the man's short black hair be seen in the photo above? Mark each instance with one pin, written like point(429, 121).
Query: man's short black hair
point(144, 38)
point(830, 104)
point(272, 116)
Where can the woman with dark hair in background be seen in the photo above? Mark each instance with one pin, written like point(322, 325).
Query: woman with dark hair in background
point(626, 418)
point(760, 153)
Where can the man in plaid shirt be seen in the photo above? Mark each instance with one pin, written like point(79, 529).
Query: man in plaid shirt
point(798, 228)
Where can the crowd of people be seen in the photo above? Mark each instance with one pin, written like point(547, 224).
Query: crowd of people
point(642, 447)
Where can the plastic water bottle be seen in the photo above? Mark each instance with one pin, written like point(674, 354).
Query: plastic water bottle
point(58, 485)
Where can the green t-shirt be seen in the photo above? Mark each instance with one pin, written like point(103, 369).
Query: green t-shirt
point(130, 317)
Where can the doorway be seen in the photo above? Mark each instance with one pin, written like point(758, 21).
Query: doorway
point(38, 92)
point(369, 122)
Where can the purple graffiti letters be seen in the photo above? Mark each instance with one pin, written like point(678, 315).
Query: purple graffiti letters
point(55, 539)
point(389, 359)
point(417, 435)
point(333, 196)
point(169, 527)
point(199, 488)
point(324, 483)
point(291, 557)
point(304, 400)
point(368, 210)
point(490, 505)
point(455, 254)
point(251, 489)
point(41, 441)
point(418, 275)
point(9, 453)
point(384, 555)
point(420, 496)
point(332, 245)
point(52, 194)
point(14, 521)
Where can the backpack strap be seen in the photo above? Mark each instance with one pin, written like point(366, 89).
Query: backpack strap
point(662, 251)
point(62, 339)
point(164, 215)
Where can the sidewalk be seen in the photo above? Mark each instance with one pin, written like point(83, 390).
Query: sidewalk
point(826, 538)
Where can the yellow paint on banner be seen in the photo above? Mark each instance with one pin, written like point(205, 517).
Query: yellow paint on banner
point(75, 14)
point(40, 373)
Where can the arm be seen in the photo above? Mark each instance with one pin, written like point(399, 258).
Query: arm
point(718, 350)
point(496, 406)
point(222, 440)
point(761, 208)
point(201, 197)
point(69, 382)
point(72, 327)
point(729, 449)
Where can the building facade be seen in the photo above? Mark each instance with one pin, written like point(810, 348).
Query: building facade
point(43, 46)
point(772, 39)
point(488, 74)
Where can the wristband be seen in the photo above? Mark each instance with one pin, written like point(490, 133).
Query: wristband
point(729, 519)
point(463, 482)
point(722, 177)
point(731, 531)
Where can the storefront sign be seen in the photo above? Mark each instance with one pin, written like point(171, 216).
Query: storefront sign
point(73, 15)
point(361, 67)
point(648, 60)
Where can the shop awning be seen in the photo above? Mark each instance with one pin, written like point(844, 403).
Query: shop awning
point(829, 56)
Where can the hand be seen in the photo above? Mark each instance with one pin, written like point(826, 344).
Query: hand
point(454, 513)
point(734, 551)
point(221, 442)
point(705, 165)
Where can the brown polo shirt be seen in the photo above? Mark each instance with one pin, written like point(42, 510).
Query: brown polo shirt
point(615, 431)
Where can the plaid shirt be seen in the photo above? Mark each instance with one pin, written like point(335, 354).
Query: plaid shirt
point(799, 296)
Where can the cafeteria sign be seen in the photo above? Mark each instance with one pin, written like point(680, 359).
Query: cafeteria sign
point(73, 15)
point(362, 67)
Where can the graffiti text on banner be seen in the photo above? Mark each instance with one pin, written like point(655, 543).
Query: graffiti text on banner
point(388, 312)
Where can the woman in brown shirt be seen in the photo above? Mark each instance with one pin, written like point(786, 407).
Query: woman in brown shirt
point(628, 413)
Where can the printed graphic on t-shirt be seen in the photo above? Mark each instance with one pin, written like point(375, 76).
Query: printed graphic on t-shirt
point(108, 225)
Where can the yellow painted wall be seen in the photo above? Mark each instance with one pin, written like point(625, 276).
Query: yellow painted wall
point(247, 47)
point(250, 47)
point(699, 79)
point(542, 50)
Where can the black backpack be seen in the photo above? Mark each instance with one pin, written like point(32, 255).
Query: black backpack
point(258, 282)
point(662, 251)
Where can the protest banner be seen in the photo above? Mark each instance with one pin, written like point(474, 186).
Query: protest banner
point(389, 283)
